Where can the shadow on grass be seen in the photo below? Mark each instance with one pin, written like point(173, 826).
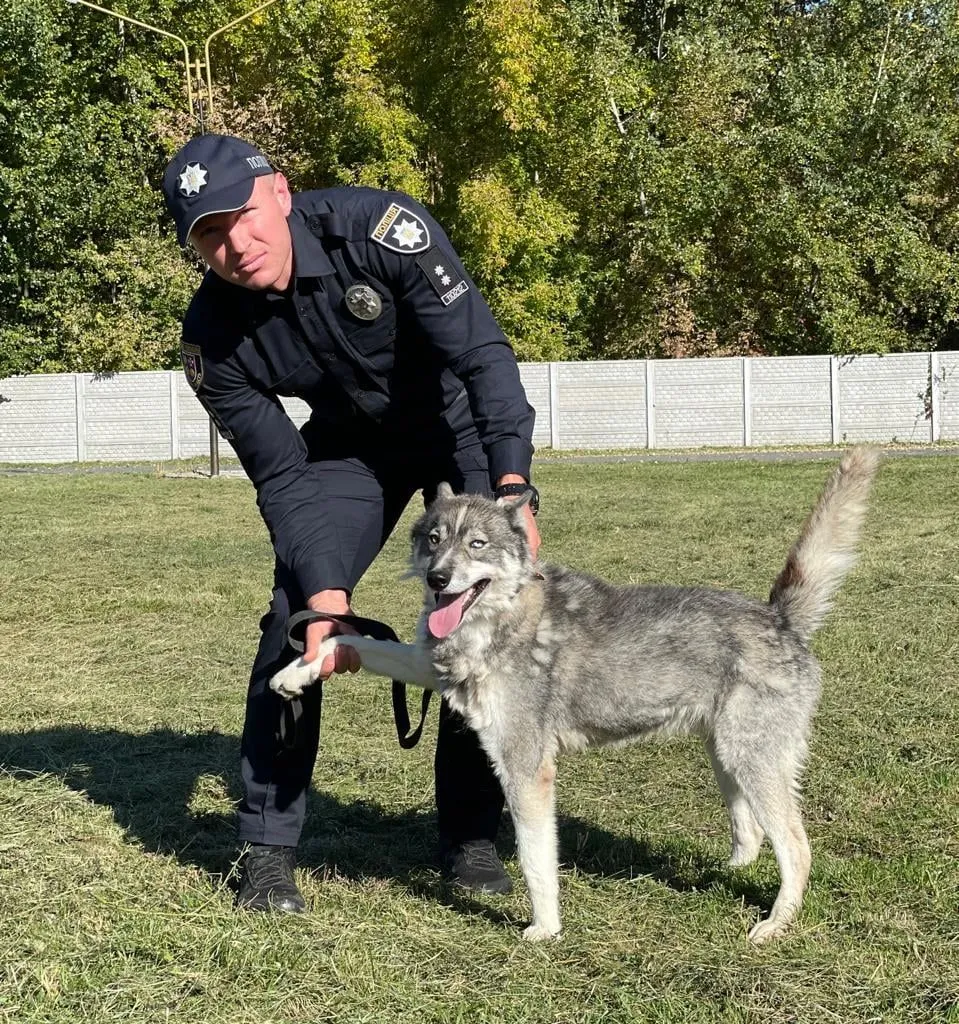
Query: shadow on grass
point(150, 780)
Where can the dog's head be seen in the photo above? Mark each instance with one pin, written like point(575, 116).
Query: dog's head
point(472, 555)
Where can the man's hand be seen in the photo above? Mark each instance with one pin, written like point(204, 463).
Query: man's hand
point(343, 659)
point(532, 530)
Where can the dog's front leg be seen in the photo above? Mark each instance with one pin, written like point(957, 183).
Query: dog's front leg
point(532, 808)
point(407, 663)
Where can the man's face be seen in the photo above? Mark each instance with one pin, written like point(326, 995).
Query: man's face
point(251, 246)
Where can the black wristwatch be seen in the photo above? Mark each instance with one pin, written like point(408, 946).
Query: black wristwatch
point(509, 490)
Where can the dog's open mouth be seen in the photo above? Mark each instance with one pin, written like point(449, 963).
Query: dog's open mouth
point(450, 609)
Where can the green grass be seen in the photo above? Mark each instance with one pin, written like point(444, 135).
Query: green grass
point(129, 612)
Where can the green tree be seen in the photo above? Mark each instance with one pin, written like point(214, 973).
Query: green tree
point(652, 178)
point(787, 184)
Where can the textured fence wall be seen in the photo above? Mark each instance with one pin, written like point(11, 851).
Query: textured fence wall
point(657, 403)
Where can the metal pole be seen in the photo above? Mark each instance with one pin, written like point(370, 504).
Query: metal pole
point(212, 36)
point(196, 111)
point(208, 114)
point(152, 28)
point(214, 450)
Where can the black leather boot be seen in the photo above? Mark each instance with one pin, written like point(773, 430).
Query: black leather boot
point(267, 881)
point(475, 864)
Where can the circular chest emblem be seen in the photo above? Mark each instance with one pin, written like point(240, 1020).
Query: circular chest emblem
point(363, 302)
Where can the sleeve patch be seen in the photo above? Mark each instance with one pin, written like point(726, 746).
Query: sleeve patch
point(439, 270)
point(192, 364)
point(402, 231)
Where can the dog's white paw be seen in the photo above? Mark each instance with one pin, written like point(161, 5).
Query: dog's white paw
point(540, 933)
point(293, 680)
point(765, 931)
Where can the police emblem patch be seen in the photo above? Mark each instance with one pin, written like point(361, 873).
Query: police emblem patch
point(192, 364)
point(402, 231)
point(193, 178)
point(363, 302)
point(448, 283)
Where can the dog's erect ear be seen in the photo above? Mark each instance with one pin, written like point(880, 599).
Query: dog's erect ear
point(444, 490)
point(516, 501)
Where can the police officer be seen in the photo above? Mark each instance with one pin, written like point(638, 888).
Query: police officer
point(353, 300)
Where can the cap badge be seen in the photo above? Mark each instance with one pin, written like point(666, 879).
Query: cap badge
point(363, 302)
point(193, 179)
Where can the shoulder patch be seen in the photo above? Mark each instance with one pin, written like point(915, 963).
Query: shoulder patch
point(402, 231)
point(447, 281)
point(192, 364)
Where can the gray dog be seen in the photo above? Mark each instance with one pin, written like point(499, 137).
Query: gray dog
point(543, 660)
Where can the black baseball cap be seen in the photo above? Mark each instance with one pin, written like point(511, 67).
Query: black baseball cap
point(210, 174)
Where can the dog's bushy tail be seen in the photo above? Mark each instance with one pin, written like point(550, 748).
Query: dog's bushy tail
point(826, 548)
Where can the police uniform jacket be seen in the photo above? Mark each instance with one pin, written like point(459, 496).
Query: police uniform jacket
point(381, 331)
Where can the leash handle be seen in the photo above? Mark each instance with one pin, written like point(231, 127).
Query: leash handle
point(378, 631)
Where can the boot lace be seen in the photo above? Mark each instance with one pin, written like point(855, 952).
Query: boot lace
point(270, 867)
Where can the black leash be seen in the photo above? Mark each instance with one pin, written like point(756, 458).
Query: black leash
point(378, 631)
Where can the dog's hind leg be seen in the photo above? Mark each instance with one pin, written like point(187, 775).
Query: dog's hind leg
point(532, 808)
point(774, 802)
point(747, 836)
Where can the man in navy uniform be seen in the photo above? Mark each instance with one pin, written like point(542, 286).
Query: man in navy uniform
point(354, 300)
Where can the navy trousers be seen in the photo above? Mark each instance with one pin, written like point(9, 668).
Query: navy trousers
point(366, 497)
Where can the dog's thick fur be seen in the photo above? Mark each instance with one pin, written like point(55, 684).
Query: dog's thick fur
point(542, 660)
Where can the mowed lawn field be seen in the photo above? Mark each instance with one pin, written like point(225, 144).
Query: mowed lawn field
point(129, 606)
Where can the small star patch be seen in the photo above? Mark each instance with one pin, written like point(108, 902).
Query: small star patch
point(438, 269)
point(402, 231)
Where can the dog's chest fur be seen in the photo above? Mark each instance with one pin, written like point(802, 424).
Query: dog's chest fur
point(478, 663)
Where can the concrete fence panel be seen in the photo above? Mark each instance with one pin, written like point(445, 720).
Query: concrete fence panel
point(600, 405)
point(536, 381)
point(946, 394)
point(192, 422)
point(38, 418)
point(698, 402)
point(658, 403)
point(126, 416)
point(885, 398)
point(791, 401)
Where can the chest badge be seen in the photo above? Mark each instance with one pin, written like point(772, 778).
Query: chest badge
point(363, 302)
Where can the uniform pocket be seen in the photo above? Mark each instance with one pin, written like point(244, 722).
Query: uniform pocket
point(368, 339)
point(302, 381)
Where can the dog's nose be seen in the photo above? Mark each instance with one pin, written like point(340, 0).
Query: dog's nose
point(438, 579)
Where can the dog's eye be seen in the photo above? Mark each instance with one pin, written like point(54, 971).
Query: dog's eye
point(434, 538)
point(478, 543)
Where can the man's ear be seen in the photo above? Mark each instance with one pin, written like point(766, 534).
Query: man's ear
point(281, 190)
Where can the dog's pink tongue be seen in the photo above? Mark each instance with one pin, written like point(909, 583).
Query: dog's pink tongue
point(447, 614)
